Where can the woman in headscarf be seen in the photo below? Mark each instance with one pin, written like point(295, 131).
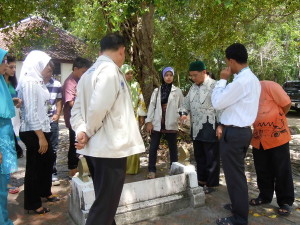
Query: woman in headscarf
point(140, 111)
point(8, 156)
point(162, 118)
point(35, 131)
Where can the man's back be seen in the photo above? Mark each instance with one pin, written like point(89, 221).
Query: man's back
point(103, 110)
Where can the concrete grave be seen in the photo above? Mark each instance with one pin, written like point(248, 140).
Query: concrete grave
point(144, 199)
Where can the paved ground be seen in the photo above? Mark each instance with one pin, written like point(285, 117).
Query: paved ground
point(204, 215)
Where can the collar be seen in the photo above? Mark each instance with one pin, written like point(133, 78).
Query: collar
point(206, 82)
point(73, 77)
point(105, 58)
point(245, 68)
point(173, 88)
point(108, 59)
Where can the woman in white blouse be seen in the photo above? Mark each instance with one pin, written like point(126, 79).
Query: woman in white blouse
point(35, 130)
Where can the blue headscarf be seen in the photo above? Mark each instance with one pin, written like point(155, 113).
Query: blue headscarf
point(7, 109)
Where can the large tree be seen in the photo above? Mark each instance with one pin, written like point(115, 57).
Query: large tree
point(164, 32)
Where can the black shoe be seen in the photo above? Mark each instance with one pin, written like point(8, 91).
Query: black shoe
point(43, 211)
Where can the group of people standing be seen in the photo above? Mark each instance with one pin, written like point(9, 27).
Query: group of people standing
point(221, 116)
point(40, 99)
point(104, 110)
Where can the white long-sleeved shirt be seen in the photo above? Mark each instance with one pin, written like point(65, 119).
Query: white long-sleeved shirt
point(34, 106)
point(239, 99)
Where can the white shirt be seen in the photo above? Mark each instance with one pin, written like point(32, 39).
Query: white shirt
point(239, 99)
point(34, 107)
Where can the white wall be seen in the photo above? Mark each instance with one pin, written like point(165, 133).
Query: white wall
point(18, 68)
point(66, 70)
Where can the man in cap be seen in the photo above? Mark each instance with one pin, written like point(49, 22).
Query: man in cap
point(204, 122)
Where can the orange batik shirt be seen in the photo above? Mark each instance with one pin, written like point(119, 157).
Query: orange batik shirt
point(271, 127)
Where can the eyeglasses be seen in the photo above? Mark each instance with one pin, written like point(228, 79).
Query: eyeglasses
point(12, 67)
point(193, 76)
point(4, 61)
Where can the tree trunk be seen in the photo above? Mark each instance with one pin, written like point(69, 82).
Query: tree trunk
point(139, 31)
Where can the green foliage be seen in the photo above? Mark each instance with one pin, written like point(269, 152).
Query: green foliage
point(269, 28)
point(11, 11)
point(30, 39)
point(185, 30)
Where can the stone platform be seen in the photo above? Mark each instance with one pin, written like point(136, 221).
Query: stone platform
point(142, 200)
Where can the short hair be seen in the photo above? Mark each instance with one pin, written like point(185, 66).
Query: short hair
point(81, 63)
point(238, 52)
point(112, 42)
point(11, 58)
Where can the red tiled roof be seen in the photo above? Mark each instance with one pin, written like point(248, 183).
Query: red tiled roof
point(35, 33)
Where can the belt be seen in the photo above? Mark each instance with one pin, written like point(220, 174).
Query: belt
point(235, 126)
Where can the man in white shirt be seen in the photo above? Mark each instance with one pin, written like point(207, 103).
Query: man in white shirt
point(239, 102)
point(106, 128)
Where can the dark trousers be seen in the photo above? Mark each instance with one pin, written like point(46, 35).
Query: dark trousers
point(18, 147)
point(38, 175)
point(233, 148)
point(54, 142)
point(207, 156)
point(154, 144)
point(274, 173)
point(108, 176)
point(72, 155)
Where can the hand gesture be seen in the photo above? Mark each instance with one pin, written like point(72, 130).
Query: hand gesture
point(183, 119)
point(82, 139)
point(17, 102)
point(225, 73)
point(43, 145)
point(55, 117)
point(219, 131)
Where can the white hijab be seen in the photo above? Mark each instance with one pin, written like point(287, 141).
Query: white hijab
point(33, 65)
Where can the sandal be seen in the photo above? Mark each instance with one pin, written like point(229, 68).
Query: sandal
point(224, 221)
point(151, 175)
point(284, 210)
point(228, 207)
point(42, 211)
point(53, 198)
point(13, 190)
point(258, 201)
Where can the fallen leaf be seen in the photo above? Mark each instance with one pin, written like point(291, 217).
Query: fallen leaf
point(273, 216)
point(256, 214)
